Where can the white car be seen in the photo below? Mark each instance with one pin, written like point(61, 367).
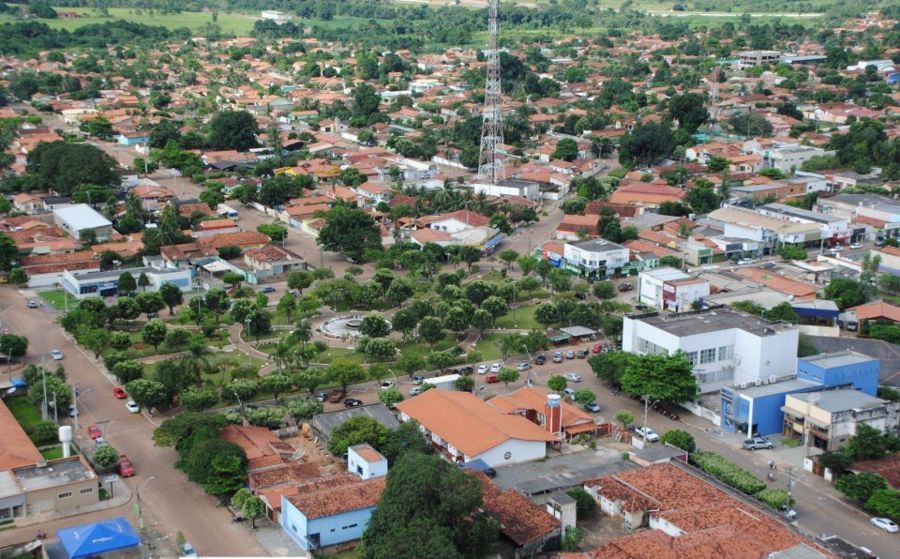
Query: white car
point(495, 368)
point(574, 377)
point(745, 261)
point(837, 248)
point(647, 434)
point(386, 385)
point(885, 524)
point(56, 354)
point(856, 246)
point(132, 407)
point(482, 369)
point(415, 390)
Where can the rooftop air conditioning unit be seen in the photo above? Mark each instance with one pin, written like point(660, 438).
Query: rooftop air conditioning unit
point(773, 378)
point(765, 382)
point(758, 382)
point(743, 385)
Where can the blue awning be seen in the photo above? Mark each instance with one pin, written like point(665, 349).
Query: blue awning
point(100, 537)
point(496, 240)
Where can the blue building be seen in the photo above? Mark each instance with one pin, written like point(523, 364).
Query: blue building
point(330, 511)
point(843, 368)
point(759, 406)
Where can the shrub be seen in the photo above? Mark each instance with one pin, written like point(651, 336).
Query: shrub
point(584, 503)
point(775, 498)
point(43, 432)
point(728, 472)
point(266, 417)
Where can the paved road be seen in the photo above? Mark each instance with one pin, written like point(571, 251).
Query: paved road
point(169, 499)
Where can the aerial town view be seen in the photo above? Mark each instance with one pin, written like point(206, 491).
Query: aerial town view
point(450, 279)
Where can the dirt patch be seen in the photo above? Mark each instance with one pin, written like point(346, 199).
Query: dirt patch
point(316, 454)
point(600, 529)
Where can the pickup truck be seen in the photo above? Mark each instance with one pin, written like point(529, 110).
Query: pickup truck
point(336, 396)
point(757, 443)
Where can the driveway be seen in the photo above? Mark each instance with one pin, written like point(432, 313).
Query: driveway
point(171, 503)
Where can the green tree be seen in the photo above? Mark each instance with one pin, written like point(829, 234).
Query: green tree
point(646, 144)
point(431, 330)
point(233, 130)
point(349, 231)
point(9, 252)
point(689, 110)
point(566, 149)
point(584, 396)
point(172, 295)
point(557, 383)
point(792, 252)
point(429, 508)
point(365, 100)
point(357, 430)
point(299, 280)
point(464, 383)
point(845, 292)
point(507, 375)
point(680, 439)
point(64, 166)
point(148, 393)
point(276, 384)
point(150, 302)
point(127, 371)
point(868, 443)
point(345, 373)
point(303, 408)
point(390, 397)
point(227, 471)
point(374, 326)
point(660, 377)
point(441, 360)
point(604, 290)
point(105, 457)
point(18, 276)
point(259, 323)
point(274, 231)
point(240, 391)
point(625, 417)
point(885, 502)
point(859, 487)
point(154, 332)
point(126, 283)
point(199, 399)
point(13, 345)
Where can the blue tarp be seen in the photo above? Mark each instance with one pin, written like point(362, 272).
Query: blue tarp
point(100, 537)
point(19, 382)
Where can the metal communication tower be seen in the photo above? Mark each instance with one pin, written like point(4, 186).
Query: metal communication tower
point(490, 165)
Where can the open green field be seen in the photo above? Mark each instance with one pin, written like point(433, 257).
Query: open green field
point(522, 317)
point(238, 24)
point(52, 453)
point(56, 299)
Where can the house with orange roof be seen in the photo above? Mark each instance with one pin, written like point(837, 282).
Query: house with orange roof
point(153, 196)
point(267, 262)
point(647, 194)
point(531, 402)
point(214, 227)
point(463, 427)
point(878, 310)
point(574, 227)
point(792, 287)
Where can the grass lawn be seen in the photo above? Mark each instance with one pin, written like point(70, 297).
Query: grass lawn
point(522, 317)
point(52, 453)
point(221, 364)
point(24, 411)
point(489, 347)
point(56, 299)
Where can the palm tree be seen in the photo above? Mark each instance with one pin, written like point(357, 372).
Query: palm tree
point(197, 359)
point(282, 351)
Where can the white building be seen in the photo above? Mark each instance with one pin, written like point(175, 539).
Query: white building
point(78, 219)
point(595, 258)
point(741, 223)
point(725, 346)
point(828, 419)
point(670, 289)
point(509, 187)
point(786, 157)
point(833, 228)
point(83, 284)
point(366, 462)
point(276, 16)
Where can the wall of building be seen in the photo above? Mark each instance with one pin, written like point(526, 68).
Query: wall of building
point(863, 376)
point(63, 497)
point(519, 451)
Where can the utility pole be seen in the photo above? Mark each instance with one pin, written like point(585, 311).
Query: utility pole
point(44, 378)
point(490, 166)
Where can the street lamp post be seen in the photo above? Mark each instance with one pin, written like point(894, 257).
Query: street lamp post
point(140, 510)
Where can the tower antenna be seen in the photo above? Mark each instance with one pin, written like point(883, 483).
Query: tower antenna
point(490, 165)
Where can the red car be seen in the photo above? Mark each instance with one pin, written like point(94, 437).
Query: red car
point(119, 393)
point(126, 469)
point(492, 379)
point(94, 432)
point(597, 348)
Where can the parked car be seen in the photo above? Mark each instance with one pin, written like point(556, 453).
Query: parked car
point(352, 403)
point(267, 289)
point(415, 390)
point(321, 396)
point(120, 393)
point(187, 550)
point(336, 396)
point(837, 248)
point(569, 391)
point(572, 377)
point(418, 379)
point(885, 524)
point(56, 354)
point(73, 411)
point(482, 369)
point(623, 287)
point(132, 406)
point(592, 407)
point(32, 304)
point(597, 348)
point(557, 357)
point(467, 370)
point(570, 354)
point(94, 432)
point(581, 353)
point(387, 385)
point(125, 467)
point(647, 434)
point(523, 366)
point(492, 379)
point(757, 442)
point(540, 359)
point(745, 261)
point(495, 368)
point(856, 246)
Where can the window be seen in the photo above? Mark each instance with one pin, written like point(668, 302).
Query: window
point(726, 352)
point(86, 491)
point(65, 495)
point(646, 346)
point(708, 355)
point(691, 357)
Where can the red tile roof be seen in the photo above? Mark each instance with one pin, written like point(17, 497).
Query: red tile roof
point(877, 310)
point(16, 449)
point(521, 520)
point(347, 493)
